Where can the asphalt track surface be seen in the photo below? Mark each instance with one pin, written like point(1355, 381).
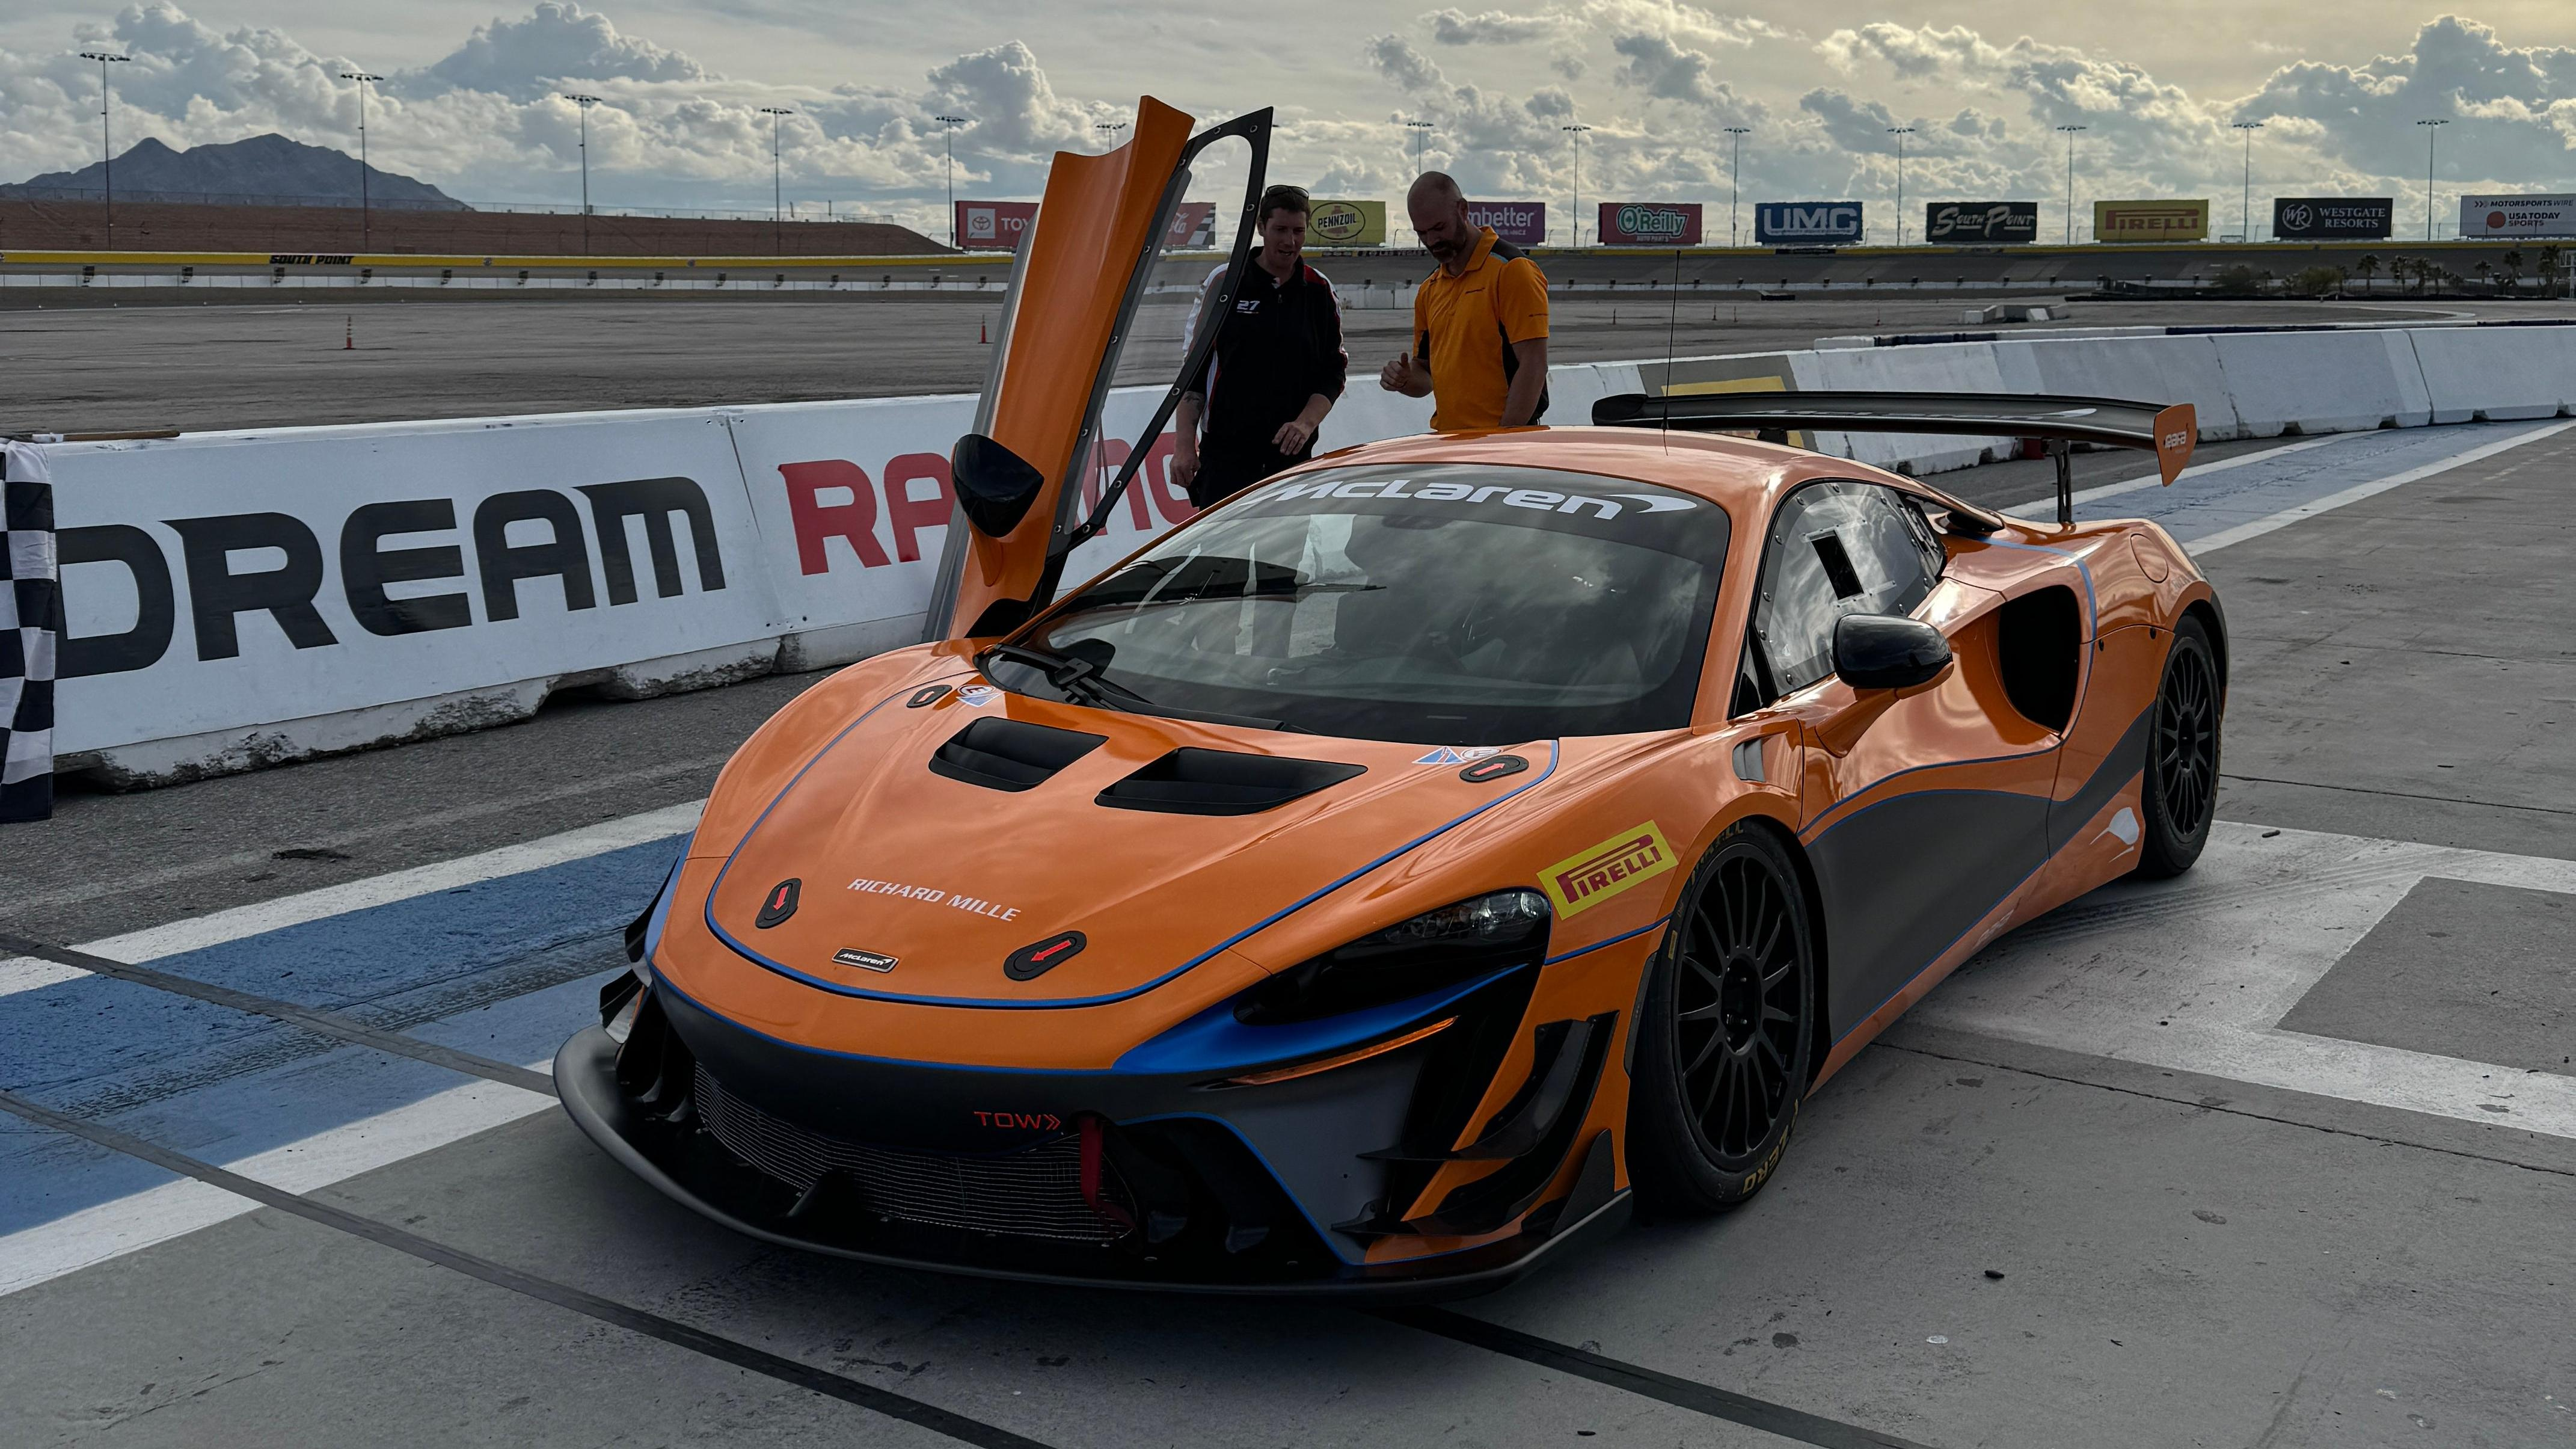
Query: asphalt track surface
point(2282, 1153)
point(263, 365)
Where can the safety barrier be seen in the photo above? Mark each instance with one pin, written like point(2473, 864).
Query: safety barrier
point(238, 599)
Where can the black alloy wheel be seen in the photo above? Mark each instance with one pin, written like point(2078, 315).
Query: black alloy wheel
point(2181, 786)
point(1726, 1031)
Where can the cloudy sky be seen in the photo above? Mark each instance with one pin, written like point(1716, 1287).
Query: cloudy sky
point(472, 101)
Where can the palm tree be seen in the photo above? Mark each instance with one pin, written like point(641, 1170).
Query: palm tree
point(2549, 271)
point(2482, 269)
point(2512, 261)
point(2366, 268)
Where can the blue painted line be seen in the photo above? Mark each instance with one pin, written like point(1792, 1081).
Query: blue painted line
point(2197, 507)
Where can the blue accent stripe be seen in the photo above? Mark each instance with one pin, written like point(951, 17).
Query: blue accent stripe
point(1655, 925)
point(1554, 752)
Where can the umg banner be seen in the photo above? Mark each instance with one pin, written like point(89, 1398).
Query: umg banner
point(1806, 223)
point(1649, 224)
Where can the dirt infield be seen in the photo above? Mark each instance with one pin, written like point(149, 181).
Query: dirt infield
point(165, 227)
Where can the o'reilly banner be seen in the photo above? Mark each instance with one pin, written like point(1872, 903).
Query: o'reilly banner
point(1522, 223)
point(1649, 224)
point(2333, 218)
point(2517, 216)
point(2150, 221)
point(1806, 223)
point(1981, 223)
point(1347, 224)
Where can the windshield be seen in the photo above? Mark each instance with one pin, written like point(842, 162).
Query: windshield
point(1444, 604)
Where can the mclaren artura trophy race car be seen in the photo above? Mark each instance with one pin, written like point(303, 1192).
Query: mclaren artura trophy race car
point(1397, 871)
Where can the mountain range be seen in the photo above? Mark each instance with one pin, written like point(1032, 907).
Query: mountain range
point(241, 171)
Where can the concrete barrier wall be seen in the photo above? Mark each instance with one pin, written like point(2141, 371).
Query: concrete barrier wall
point(238, 599)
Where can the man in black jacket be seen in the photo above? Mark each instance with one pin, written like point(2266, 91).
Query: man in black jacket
point(1277, 369)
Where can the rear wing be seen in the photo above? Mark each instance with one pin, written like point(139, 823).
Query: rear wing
point(2166, 430)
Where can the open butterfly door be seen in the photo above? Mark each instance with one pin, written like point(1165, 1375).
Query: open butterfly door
point(1096, 299)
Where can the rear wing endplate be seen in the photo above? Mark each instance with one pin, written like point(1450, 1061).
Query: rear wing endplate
point(2166, 430)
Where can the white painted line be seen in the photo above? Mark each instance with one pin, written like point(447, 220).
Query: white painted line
point(198, 932)
point(129, 1224)
point(26, 973)
point(2195, 974)
point(2196, 470)
point(2287, 516)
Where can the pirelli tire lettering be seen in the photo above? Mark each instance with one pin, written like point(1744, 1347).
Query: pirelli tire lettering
point(514, 554)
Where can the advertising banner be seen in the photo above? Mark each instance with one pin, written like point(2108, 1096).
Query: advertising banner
point(994, 226)
point(1522, 223)
point(1981, 223)
point(1346, 224)
point(2330, 218)
point(1806, 223)
point(1193, 226)
point(2515, 216)
point(2150, 221)
point(1649, 224)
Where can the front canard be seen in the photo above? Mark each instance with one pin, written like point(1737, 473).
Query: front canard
point(1589, 877)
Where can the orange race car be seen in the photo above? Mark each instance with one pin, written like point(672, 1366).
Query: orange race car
point(1397, 871)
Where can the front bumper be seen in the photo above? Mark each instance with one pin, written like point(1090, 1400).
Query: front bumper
point(666, 1137)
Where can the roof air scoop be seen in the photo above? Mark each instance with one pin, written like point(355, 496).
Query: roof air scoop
point(995, 486)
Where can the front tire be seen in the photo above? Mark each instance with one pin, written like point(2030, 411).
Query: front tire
point(2180, 791)
point(1725, 1030)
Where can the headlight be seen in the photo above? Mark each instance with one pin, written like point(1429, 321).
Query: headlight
point(1411, 958)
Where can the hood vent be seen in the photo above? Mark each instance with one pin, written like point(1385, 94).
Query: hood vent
point(1220, 782)
point(1010, 754)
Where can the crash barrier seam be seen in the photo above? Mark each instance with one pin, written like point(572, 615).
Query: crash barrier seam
point(479, 567)
point(545, 1290)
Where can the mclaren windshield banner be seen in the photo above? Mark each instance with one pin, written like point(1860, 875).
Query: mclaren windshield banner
point(1347, 224)
point(1649, 224)
point(1806, 223)
point(2150, 221)
point(2517, 216)
point(1981, 223)
point(2333, 218)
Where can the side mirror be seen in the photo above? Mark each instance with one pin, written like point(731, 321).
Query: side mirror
point(1888, 651)
point(995, 486)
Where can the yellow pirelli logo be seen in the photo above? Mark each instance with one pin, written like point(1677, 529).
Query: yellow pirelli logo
point(1590, 877)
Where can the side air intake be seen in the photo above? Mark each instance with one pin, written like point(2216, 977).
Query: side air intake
point(1220, 782)
point(1010, 754)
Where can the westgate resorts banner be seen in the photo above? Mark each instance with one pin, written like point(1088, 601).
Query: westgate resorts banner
point(2334, 218)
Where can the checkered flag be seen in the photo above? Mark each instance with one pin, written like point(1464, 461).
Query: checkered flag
point(31, 621)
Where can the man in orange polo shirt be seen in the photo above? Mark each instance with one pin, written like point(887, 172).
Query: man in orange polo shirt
point(1479, 322)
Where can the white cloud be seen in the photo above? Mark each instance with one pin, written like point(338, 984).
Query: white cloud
point(558, 43)
point(1496, 27)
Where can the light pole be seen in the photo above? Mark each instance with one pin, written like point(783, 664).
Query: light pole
point(1109, 142)
point(585, 102)
point(365, 233)
point(1420, 130)
point(2070, 181)
point(106, 158)
point(2430, 131)
point(1577, 133)
point(777, 187)
point(949, 125)
point(1900, 133)
point(1734, 183)
point(2247, 224)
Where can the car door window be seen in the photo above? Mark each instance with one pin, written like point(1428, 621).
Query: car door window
point(1833, 549)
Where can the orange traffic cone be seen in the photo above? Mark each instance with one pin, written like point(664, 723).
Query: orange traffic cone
point(982, 335)
point(348, 334)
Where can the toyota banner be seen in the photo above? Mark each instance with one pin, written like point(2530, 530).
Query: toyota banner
point(994, 226)
point(1980, 223)
point(1649, 224)
point(2333, 218)
point(2517, 216)
point(1806, 223)
point(1522, 223)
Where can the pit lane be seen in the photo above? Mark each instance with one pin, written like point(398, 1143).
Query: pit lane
point(2276, 1153)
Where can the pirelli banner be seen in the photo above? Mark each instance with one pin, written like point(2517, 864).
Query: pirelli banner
point(2150, 221)
point(1346, 224)
point(1649, 224)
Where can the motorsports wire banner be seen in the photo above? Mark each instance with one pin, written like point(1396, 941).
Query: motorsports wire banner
point(2333, 218)
point(1981, 223)
point(2517, 216)
point(1649, 224)
point(2150, 221)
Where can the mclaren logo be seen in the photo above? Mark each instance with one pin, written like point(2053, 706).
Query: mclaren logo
point(864, 960)
point(1626, 859)
point(1540, 500)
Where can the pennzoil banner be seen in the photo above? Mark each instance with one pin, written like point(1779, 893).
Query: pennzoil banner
point(1347, 224)
point(2150, 221)
point(1649, 224)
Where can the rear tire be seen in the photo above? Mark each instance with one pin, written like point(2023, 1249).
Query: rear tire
point(1725, 1031)
point(2180, 790)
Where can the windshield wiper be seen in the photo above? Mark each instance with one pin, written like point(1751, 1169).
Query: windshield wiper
point(1082, 681)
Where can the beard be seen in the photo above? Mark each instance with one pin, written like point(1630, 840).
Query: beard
point(1444, 249)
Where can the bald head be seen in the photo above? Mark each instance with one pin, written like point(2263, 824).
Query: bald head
point(1439, 213)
